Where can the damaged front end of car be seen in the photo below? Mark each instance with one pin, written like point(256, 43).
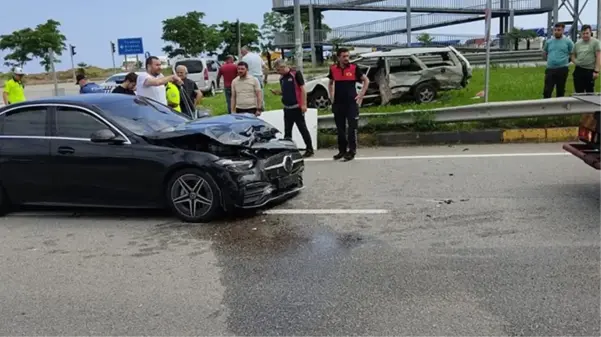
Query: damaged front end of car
point(249, 163)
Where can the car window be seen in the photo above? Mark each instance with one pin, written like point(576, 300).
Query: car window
point(24, 122)
point(142, 116)
point(76, 123)
point(403, 64)
point(194, 66)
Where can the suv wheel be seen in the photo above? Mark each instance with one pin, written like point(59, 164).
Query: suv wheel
point(424, 93)
point(319, 99)
point(193, 196)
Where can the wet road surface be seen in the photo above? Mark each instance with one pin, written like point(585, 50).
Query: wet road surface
point(462, 244)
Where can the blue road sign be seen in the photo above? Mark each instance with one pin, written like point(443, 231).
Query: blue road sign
point(130, 46)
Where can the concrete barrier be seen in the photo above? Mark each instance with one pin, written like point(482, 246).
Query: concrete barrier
point(276, 118)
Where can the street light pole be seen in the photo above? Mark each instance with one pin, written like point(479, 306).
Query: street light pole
point(72, 61)
point(487, 70)
point(298, 36)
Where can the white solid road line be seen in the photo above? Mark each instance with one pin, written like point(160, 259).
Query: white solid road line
point(451, 156)
point(318, 211)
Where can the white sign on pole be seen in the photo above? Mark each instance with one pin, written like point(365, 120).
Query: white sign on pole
point(276, 118)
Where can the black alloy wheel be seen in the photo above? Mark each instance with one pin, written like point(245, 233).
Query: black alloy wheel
point(193, 196)
point(319, 99)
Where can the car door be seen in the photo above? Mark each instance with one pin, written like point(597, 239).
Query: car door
point(91, 173)
point(403, 73)
point(25, 173)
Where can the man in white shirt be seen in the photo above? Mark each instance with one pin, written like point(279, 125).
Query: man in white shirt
point(255, 68)
point(152, 83)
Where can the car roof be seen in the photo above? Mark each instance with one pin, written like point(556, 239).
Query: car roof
point(83, 100)
point(405, 52)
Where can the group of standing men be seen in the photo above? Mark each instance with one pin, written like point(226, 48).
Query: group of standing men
point(560, 51)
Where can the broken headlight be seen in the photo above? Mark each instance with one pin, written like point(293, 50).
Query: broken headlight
point(236, 165)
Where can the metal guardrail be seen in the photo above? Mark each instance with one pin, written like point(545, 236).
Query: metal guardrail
point(478, 112)
point(519, 56)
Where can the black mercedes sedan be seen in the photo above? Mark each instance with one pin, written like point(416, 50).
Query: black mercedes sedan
point(113, 150)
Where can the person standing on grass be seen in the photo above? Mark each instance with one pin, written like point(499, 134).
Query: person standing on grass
point(557, 51)
point(246, 92)
point(229, 71)
point(587, 58)
point(346, 102)
point(152, 83)
point(294, 99)
point(189, 91)
point(256, 65)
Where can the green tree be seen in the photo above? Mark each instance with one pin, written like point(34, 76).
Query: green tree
point(188, 36)
point(228, 31)
point(273, 23)
point(518, 34)
point(27, 44)
point(82, 65)
point(425, 38)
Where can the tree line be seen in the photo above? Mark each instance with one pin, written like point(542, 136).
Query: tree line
point(185, 35)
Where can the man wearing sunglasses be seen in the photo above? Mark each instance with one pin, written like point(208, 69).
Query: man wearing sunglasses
point(557, 52)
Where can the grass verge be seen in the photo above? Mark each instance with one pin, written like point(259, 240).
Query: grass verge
point(506, 84)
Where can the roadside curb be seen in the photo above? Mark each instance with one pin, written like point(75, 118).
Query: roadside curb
point(538, 135)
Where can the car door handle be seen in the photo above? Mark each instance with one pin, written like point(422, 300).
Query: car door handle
point(66, 150)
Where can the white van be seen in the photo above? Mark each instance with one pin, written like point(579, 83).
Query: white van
point(202, 71)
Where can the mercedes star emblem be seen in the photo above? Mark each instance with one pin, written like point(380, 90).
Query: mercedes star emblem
point(288, 163)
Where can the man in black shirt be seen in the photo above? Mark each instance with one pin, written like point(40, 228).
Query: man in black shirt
point(346, 102)
point(190, 95)
point(294, 98)
point(128, 86)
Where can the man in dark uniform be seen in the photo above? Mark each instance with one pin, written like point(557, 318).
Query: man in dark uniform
point(294, 98)
point(345, 102)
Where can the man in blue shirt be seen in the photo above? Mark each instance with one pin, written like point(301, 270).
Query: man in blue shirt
point(86, 87)
point(557, 51)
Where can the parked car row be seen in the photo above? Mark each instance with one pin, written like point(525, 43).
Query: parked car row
point(200, 70)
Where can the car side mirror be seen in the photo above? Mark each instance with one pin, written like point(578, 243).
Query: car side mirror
point(106, 136)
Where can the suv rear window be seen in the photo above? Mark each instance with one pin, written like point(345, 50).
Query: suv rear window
point(194, 66)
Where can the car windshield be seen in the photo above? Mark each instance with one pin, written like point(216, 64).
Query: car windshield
point(142, 115)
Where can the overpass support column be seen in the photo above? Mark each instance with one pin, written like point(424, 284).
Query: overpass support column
point(312, 35)
point(408, 23)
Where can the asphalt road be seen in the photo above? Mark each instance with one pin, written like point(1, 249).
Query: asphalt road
point(461, 240)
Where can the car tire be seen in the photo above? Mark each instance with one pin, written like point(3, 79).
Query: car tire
point(319, 99)
point(425, 93)
point(193, 196)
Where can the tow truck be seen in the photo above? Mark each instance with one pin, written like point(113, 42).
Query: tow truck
point(588, 132)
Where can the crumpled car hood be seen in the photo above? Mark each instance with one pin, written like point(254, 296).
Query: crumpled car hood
point(233, 129)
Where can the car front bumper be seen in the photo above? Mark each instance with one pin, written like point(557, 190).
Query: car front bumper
point(269, 181)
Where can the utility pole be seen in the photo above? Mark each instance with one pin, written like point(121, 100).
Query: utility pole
point(113, 56)
point(54, 78)
point(298, 37)
point(487, 71)
point(598, 36)
point(72, 49)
